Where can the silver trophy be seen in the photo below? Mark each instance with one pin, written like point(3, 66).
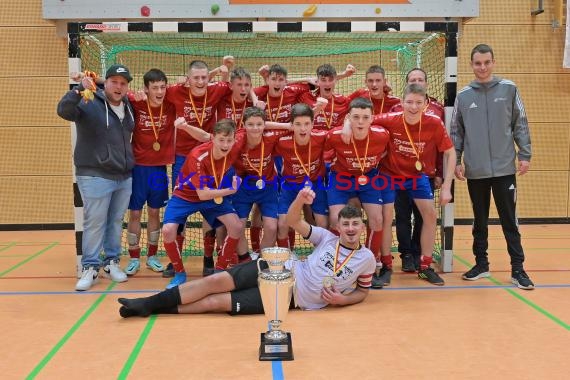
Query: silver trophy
point(276, 289)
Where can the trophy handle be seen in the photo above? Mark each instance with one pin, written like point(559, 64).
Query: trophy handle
point(259, 260)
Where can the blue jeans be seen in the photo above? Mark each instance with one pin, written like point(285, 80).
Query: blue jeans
point(104, 204)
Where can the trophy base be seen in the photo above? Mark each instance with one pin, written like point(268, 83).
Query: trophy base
point(275, 350)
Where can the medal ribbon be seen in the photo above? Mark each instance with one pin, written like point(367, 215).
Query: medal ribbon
point(216, 180)
point(199, 120)
point(240, 123)
point(343, 264)
point(416, 152)
point(328, 122)
point(381, 106)
point(362, 165)
point(154, 129)
point(308, 169)
point(278, 108)
point(261, 159)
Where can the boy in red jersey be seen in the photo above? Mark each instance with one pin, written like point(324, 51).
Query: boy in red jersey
point(330, 108)
point(255, 166)
point(409, 244)
point(354, 172)
point(303, 166)
point(201, 186)
point(153, 147)
point(196, 101)
point(232, 106)
point(415, 139)
point(375, 81)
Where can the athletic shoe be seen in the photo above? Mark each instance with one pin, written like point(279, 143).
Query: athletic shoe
point(521, 280)
point(430, 276)
point(154, 264)
point(168, 272)
point(476, 273)
point(89, 277)
point(178, 279)
point(133, 267)
point(114, 272)
point(408, 263)
point(381, 279)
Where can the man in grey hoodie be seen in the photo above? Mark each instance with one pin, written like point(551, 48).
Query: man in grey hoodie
point(488, 120)
point(103, 159)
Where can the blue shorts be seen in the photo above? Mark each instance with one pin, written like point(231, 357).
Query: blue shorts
point(178, 209)
point(150, 185)
point(289, 192)
point(343, 187)
point(178, 162)
point(417, 187)
point(248, 194)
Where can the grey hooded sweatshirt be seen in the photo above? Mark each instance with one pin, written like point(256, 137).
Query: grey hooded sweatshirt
point(487, 119)
point(103, 147)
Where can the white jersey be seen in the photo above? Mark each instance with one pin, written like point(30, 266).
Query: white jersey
point(309, 274)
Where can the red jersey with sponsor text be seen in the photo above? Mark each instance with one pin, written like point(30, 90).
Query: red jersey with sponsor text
point(250, 161)
point(279, 108)
point(230, 109)
point(150, 130)
point(348, 160)
point(379, 106)
point(333, 113)
point(296, 165)
point(196, 113)
point(401, 158)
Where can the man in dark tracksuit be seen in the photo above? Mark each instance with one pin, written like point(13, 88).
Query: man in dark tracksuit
point(488, 117)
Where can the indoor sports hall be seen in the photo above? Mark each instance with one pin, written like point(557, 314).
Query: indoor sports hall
point(409, 329)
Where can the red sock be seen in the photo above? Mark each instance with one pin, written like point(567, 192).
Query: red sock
point(374, 242)
point(283, 243)
point(386, 261)
point(334, 231)
point(209, 243)
point(174, 255)
point(152, 250)
point(425, 262)
point(291, 238)
point(135, 253)
point(228, 255)
point(255, 237)
point(180, 241)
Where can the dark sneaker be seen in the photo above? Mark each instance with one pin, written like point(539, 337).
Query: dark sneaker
point(476, 273)
point(169, 271)
point(521, 280)
point(408, 263)
point(383, 278)
point(430, 276)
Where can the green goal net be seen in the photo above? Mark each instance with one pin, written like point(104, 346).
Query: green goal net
point(300, 53)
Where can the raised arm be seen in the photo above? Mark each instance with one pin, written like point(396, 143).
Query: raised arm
point(294, 217)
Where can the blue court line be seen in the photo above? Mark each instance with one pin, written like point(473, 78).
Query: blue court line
point(389, 288)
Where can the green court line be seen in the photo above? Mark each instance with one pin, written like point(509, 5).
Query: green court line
point(53, 244)
point(521, 298)
point(68, 335)
point(8, 246)
point(137, 349)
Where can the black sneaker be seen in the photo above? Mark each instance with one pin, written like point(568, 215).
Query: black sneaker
point(168, 271)
point(476, 273)
point(376, 282)
point(408, 264)
point(430, 276)
point(383, 278)
point(521, 280)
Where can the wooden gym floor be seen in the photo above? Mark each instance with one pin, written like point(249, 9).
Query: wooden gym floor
point(464, 330)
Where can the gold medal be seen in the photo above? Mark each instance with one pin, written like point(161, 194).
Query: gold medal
point(418, 165)
point(260, 184)
point(328, 282)
point(362, 180)
point(156, 146)
point(218, 200)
